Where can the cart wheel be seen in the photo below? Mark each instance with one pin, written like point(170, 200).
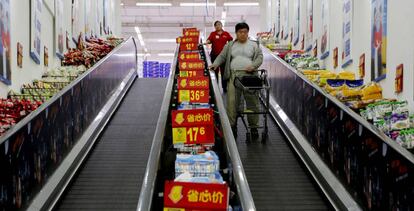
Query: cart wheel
point(248, 137)
point(265, 137)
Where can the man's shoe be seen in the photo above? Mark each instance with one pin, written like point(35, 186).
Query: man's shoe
point(255, 133)
point(234, 130)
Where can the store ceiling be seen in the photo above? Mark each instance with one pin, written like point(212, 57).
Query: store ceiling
point(160, 25)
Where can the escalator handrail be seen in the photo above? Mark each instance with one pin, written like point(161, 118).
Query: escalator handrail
point(245, 195)
point(148, 183)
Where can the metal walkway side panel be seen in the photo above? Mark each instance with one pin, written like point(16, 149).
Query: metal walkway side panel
point(112, 175)
point(276, 177)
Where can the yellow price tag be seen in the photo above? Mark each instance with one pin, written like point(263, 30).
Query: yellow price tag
point(179, 135)
point(183, 73)
point(184, 96)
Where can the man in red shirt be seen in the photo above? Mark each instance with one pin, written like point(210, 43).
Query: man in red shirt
point(218, 39)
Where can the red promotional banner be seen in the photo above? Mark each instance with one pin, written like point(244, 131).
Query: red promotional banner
point(192, 65)
point(189, 29)
point(189, 46)
point(184, 40)
point(196, 196)
point(193, 96)
point(191, 73)
point(194, 117)
point(192, 34)
point(193, 83)
point(189, 56)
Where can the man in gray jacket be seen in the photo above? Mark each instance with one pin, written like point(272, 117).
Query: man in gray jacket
point(242, 57)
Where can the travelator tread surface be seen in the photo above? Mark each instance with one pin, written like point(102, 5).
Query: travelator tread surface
point(111, 177)
point(276, 176)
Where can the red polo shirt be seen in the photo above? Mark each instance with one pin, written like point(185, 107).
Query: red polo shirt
point(218, 41)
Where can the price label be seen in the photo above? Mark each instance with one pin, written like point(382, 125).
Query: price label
point(196, 117)
point(189, 29)
point(189, 56)
point(191, 73)
point(189, 46)
point(186, 39)
point(196, 196)
point(193, 83)
point(192, 65)
point(193, 135)
point(192, 34)
point(193, 96)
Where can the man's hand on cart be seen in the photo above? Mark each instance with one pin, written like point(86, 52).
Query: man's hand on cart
point(212, 67)
point(249, 69)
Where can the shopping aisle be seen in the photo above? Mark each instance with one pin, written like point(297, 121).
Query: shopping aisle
point(111, 177)
point(276, 177)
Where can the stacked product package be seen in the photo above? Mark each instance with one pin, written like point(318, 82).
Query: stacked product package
point(154, 69)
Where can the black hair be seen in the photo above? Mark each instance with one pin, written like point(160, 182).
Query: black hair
point(242, 25)
point(215, 23)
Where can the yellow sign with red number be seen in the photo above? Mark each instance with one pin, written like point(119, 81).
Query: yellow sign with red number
point(191, 73)
point(193, 96)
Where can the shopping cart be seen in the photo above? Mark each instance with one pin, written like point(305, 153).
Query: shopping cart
point(257, 85)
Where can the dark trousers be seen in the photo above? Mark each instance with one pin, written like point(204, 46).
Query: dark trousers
point(221, 69)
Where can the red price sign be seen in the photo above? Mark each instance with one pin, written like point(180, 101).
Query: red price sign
point(189, 46)
point(189, 29)
point(191, 73)
point(189, 56)
point(194, 117)
point(192, 34)
point(193, 96)
point(184, 40)
point(192, 65)
point(193, 83)
point(198, 196)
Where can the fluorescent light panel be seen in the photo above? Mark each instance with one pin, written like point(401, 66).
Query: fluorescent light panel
point(153, 4)
point(165, 54)
point(241, 4)
point(223, 14)
point(189, 4)
point(166, 40)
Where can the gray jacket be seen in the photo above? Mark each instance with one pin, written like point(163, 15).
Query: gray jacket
point(225, 56)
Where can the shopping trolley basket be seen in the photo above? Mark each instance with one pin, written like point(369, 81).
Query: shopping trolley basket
point(258, 86)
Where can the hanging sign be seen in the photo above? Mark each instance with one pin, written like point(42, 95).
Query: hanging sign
point(325, 29)
point(5, 48)
point(297, 22)
point(362, 66)
point(187, 39)
point(379, 40)
point(36, 29)
point(346, 32)
point(309, 26)
point(189, 46)
point(399, 79)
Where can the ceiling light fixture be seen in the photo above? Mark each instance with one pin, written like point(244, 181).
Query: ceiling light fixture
point(140, 38)
point(165, 54)
point(167, 40)
point(241, 4)
point(122, 4)
point(153, 4)
point(186, 4)
point(223, 14)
